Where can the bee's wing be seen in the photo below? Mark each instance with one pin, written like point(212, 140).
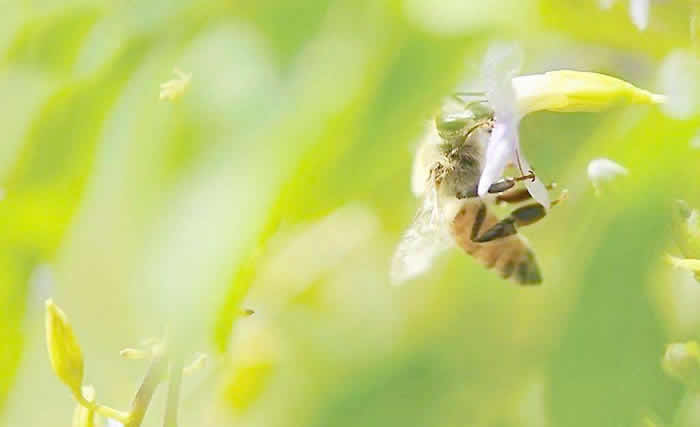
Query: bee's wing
point(427, 155)
point(425, 239)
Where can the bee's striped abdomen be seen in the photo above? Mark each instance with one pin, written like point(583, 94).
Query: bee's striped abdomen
point(510, 255)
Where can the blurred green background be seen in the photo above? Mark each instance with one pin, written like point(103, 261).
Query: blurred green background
point(279, 181)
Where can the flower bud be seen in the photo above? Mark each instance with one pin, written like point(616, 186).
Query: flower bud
point(64, 351)
point(682, 361)
point(567, 90)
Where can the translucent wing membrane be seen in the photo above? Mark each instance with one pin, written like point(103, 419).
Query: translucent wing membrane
point(425, 239)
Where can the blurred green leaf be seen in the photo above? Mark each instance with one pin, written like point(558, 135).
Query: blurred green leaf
point(402, 392)
point(608, 358)
point(669, 24)
point(44, 188)
point(413, 71)
point(52, 42)
point(15, 266)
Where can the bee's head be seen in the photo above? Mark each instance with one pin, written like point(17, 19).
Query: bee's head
point(455, 124)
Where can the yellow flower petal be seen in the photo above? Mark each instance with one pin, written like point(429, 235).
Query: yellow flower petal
point(568, 90)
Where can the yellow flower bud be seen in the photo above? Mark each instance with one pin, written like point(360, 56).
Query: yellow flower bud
point(64, 351)
point(82, 416)
point(682, 361)
point(568, 90)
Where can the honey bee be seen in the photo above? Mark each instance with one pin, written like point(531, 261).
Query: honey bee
point(446, 174)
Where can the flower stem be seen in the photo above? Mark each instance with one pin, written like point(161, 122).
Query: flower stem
point(105, 411)
point(142, 399)
point(172, 403)
point(112, 413)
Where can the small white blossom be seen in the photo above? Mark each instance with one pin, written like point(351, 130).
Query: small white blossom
point(604, 170)
point(174, 88)
point(678, 80)
point(638, 10)
point(639, 13)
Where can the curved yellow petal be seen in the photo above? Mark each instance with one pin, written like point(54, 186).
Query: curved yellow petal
point(567, 90)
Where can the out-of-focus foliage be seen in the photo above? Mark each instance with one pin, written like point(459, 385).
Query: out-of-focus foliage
point(278, 179)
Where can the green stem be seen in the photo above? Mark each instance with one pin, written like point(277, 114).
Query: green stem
point(108, 412)
point(105, 411)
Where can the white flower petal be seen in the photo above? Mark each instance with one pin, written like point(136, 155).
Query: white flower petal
point(678, 81)
point(639, 12)
point(539, 192)
point(535, 187)
point(499, 153)
point(503, 62)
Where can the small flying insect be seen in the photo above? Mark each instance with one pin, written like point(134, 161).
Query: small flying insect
point(446, 173)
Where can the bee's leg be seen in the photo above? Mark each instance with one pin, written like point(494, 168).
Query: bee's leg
point(478, 221)
point(499, 186)
point(520, 217)
point(519, 195)
point(501, 229)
